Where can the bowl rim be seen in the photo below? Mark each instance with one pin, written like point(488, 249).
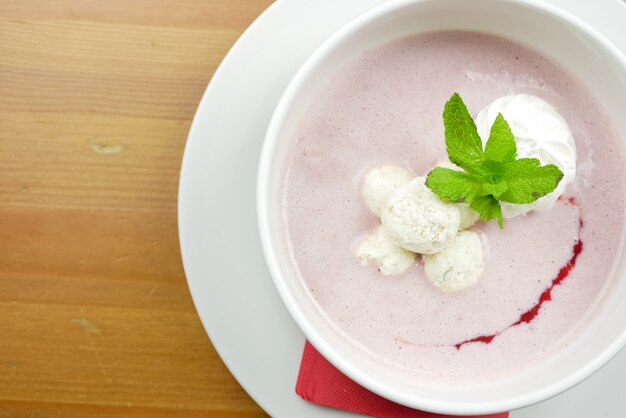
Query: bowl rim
point(314, 337)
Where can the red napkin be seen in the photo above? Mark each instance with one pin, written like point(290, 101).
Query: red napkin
point(321, 383)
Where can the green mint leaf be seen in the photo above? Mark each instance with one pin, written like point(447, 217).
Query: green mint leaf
point(501, 144)
point(528, 180)
point(494, 189)
point(463, 143)
point(492, 176)
point(488, 208)
point(454, 186)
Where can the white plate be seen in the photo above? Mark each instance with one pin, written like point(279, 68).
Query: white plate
point(229, 282)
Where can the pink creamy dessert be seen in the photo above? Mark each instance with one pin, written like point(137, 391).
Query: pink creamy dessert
point(545, 273)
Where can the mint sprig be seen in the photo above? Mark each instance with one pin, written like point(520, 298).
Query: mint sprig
point(492, 175)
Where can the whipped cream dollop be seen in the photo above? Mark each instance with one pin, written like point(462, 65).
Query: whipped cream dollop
point(540, 132)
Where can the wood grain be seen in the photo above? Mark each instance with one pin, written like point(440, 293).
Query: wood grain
point(96, 99)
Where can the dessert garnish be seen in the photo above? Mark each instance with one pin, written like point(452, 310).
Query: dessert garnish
point(416, 221)
point(540, 132)
point(488, 177)
point(491, 175)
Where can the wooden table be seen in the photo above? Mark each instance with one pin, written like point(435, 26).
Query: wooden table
point(96, 100)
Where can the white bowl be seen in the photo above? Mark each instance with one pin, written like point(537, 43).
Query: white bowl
point(544, 28)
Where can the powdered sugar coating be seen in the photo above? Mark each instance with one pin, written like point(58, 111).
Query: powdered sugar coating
point(380, 183)
point(417, 220)
point(457, 266)
point(377, 248)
